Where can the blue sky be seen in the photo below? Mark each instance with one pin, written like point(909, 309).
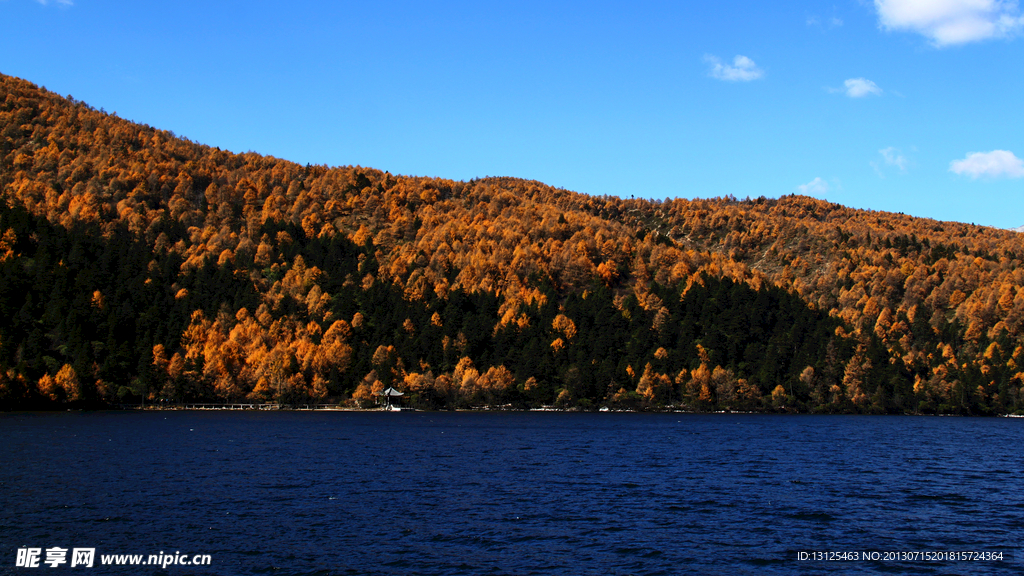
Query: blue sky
point(909, 106)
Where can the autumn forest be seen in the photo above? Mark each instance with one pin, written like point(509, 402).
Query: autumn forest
point(137, 266)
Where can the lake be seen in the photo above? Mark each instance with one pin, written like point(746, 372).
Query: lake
point(511, 493)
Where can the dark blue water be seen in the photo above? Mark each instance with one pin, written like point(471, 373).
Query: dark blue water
point(510, 493)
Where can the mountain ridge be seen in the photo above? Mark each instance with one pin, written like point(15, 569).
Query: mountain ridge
point(263, 279)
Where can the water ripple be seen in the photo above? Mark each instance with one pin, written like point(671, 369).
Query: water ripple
point(469, 493)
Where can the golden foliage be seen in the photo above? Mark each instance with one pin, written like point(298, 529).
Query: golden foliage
point(888, 276)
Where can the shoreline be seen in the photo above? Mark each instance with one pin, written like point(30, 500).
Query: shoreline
point(254, 407)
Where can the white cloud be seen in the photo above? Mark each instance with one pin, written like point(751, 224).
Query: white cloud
point(891, 156)
point(61, 2)
point(950, 22)
point(994, 164)
point(816, 187)
point(832, 22)
point(861, 87)
point(894, 157)
point(742, 69)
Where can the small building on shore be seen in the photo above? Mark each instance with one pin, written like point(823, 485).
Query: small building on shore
point(390, 398)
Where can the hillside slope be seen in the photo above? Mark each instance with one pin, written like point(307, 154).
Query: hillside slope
point(136, 264)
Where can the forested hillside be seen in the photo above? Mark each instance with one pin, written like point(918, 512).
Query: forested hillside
point(136, 264)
